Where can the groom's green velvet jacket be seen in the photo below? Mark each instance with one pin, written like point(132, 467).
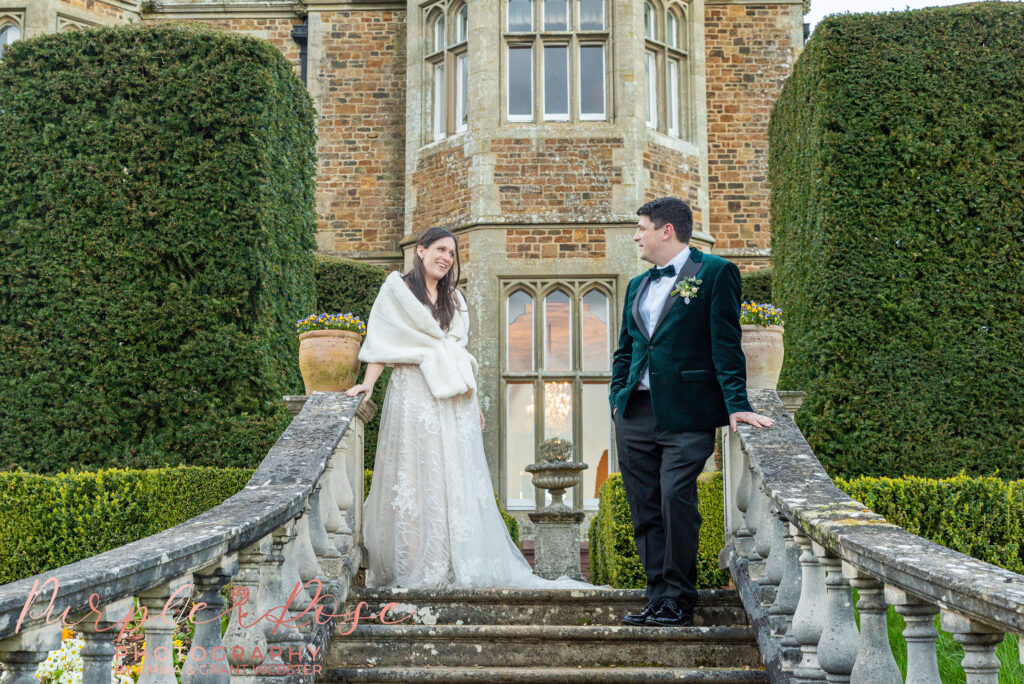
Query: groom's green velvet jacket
point(698, 371)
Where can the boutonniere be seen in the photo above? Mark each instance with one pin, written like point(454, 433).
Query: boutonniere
point(687, 288)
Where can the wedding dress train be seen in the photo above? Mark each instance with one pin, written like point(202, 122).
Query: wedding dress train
point(430, 519)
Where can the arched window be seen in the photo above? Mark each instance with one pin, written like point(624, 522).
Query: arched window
point(555, 379)
point(556, 67)
point(667, 68)
point(446, 35)
point(8, 34)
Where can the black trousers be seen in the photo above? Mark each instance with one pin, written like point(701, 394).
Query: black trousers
point(659, 470)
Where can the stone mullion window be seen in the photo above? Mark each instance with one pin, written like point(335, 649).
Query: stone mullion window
point(556, 60)
point(667, 68)
point(10, 31)
point(556, 348)
point(446, 61)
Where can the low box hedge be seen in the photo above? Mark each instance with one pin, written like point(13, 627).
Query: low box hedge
point(613, 555)
point(47, 521)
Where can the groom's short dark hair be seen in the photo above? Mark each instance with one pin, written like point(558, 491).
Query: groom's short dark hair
point(670, 210)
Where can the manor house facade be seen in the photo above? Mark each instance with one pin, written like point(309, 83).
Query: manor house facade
point(533, 129)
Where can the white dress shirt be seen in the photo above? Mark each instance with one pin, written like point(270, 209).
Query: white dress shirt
point(654, 300)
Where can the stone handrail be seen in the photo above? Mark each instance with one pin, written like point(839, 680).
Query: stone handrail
point(297, 519)
point(795, 544)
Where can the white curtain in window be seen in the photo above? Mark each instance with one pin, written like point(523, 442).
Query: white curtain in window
point(461, 77)
point(8, 34)
point(520, 15)
point(591, 15)
point(556, 15)
point(463, 24)
point(439, 124)
point(673, 97)
point(652, 89)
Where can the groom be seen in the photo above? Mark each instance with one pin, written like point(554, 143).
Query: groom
point(678, 374)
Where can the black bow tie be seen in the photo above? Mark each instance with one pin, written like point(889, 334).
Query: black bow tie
point(656, 272)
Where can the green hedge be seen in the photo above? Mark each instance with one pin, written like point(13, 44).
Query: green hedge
point(981, 517)
point(50, 521)
point(157, 223)
point(896, 157)
point(613, 555)
point(757, 286)
point(511, 523)
point(348, 286)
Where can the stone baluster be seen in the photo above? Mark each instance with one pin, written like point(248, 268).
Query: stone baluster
point(329, 513)
point(286, 636)
point(161, 604)
point(774, 537)
point(981, 665)
point(874, 664)
point(837, 647)
point(290, 577)
point(780, 615)
point(343, 496)
point(98, 635)
point(807, 620)
point(207, 660)
point(326, 552)
point(305, 557)
point(754, 515)
point(22, 654)
point(245, 639)
point(744, 541)
point(920, 634)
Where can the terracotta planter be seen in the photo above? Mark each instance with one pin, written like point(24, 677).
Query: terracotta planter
point(329, 359)
point(762, 345)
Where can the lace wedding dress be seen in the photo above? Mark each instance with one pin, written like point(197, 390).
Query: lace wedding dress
point(430, 519)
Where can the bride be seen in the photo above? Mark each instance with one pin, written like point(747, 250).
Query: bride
point(430, 519)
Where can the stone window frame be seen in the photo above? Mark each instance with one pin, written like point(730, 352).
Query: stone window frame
point(453, 60)
point(538, 288)
point(11, 20)
point(574, 39)
point(660, 51)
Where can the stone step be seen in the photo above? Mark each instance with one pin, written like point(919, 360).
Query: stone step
point(518, 646)
point(533, 606)
point(543, 675)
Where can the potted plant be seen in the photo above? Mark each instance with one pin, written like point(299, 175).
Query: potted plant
point(555, 470)
point(329, 351)
point(762, 327)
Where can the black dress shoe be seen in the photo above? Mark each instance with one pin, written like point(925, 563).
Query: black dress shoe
point(670, 613)
point(640, 619)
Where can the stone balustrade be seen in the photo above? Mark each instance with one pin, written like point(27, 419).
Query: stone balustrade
point(297, 520)
point(796, 547)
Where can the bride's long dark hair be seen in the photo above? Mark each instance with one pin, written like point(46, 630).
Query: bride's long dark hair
point(444, 308)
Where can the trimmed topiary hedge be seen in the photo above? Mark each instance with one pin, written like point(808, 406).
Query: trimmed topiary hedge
point(50, 521)
point(757, 286)
point(157, 223)
point(897, 176)
point(981, 517)
point(613, 556)
point(345, 285)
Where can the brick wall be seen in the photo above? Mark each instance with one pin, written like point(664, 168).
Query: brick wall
point(749, 55)
point(553, 243)
point(361, 180)
point(673, 174)
point(556, 178)
point(441, 181)
point(101, 8)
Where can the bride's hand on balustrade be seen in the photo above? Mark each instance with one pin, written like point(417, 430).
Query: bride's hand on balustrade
point(361, 387)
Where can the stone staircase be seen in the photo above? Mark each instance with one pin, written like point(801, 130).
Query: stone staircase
point(540, 636)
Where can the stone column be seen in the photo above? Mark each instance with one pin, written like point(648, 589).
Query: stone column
point(837, 648)
point(160, 626)
point(207, 661)
point(786, 599)
point(22, 654)
point(807, 620)
point(99, 633)
point(920, 634)
point(245, 640)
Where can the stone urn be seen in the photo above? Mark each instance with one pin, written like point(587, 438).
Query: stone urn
point(329, 359)
point(762, 345)
point(556, 540)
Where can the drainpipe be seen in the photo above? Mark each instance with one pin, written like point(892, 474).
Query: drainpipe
point(300, 34)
